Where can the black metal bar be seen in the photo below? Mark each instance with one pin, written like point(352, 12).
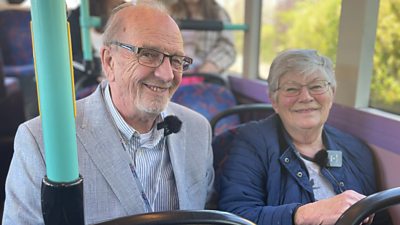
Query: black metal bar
point(181, 217)
point(62, 203)
point(369, 205)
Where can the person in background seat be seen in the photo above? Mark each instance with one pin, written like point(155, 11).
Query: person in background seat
point(213, 51)
point(99, 8)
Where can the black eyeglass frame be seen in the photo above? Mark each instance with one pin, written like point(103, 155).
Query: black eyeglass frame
point(186, 61)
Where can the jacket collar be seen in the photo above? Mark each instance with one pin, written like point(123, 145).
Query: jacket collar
point(176, 143)
point(98, 142)
point(99, 137)
point(295, 166)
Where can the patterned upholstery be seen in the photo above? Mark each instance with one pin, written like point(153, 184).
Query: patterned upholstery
point(208, 99)
point(8, 85)
point(222, 142)
point(11, 115)
point(16, 42)
point(221, 145)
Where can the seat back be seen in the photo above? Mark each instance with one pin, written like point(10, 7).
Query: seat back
point(208, 99)
point(203, 77)
point(181, 217)
point(11, 115)
point(15, 37)
point(222, 142)
point(16, 42)
point(11, 105)
point(246, 112)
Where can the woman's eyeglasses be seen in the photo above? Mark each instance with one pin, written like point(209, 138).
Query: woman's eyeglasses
point(315, 87)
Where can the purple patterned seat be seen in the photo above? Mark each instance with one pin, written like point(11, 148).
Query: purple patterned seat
point(208, 99)
point(11, 115)
point(221, 145)
point(16, 42)
point(222, 142)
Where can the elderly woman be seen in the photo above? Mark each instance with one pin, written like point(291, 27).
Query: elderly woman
point(292, 168)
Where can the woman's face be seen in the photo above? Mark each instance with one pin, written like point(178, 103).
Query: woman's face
point(300, 108)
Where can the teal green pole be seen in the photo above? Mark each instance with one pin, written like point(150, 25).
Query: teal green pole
point(53, 74)
point(86, 23)
point(243, 27)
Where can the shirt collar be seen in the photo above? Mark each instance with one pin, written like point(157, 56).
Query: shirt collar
point(128, 131)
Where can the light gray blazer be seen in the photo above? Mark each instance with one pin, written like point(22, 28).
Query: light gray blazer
point(110, 190)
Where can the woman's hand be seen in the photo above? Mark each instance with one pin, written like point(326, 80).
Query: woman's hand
point(328, 211)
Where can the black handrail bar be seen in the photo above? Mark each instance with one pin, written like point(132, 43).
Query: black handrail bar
point(369, 205)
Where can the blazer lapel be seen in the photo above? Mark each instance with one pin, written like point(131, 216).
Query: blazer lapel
point(98, 135)
point(176, 146)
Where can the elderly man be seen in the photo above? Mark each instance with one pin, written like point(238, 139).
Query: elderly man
point(129, 166)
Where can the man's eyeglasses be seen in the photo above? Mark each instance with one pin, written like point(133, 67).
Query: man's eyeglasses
point(316, 87)
point(153, 58)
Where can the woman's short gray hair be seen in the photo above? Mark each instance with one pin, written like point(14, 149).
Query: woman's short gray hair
point(301, 61)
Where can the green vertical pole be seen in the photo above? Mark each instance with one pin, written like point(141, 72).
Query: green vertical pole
point(53, 72)
point(85, 22)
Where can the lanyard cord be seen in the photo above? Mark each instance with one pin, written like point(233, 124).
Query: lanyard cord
point(125, 145)
point(150, 203)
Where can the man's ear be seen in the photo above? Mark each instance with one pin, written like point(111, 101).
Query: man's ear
point(107, 62)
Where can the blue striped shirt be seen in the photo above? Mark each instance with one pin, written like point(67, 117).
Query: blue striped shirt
point(150, 159)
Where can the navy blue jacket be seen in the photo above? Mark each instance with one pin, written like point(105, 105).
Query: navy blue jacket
point(263, 180)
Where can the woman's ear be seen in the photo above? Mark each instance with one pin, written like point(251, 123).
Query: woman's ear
point(273, 98)
point(274, 104)
point(107, 62)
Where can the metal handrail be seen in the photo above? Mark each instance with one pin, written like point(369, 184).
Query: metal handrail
point(369, 205)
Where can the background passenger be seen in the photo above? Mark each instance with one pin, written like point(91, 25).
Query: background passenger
point(128, 165)
point(278, 171)
point(212, 51)
point(99, 8)
point(87, 79)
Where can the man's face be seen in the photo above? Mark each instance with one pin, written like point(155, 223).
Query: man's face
point(136, 88)
point(143, 88)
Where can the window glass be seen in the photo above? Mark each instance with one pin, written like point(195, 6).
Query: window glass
point(298, 24)
point(235, 9)
point(385, 86)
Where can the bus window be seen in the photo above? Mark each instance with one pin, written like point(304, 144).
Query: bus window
point(235, 10)
point(298, 24)
point(385, 86)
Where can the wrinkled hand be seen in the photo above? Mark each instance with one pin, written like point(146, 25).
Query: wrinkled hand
point(328, 211)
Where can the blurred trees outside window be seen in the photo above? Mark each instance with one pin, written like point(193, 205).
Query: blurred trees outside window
point(385, 86)
point(315, 24)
